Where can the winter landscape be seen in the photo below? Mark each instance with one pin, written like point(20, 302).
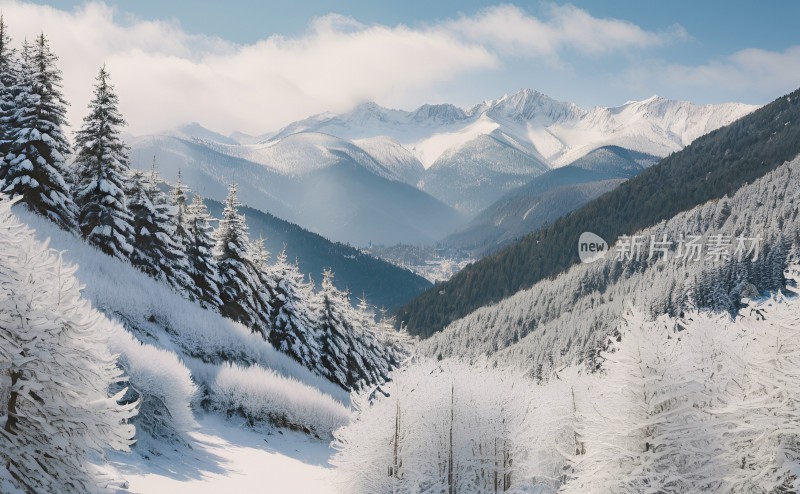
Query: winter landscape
point(383, 249)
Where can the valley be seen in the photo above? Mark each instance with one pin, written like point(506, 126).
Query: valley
point(247, 249)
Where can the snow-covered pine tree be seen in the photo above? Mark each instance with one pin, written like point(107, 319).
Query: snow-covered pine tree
point(37, 154)
point(170, 250)
point(351, 355)
point(142, 213)
point(203, 268)
point(56, 417)
point(264, 291)
point(101, 164)
point(8, 80)
point(293, 325)
point(155, 250)
point(396, 341)
point(181, 220)
point(239, 279)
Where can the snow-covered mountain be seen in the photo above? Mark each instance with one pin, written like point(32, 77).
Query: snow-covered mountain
point(554, 131)
point(322, 183)
point(369, 174)
point(467, 153)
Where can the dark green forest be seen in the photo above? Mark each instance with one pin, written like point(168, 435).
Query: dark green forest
point(384, 284)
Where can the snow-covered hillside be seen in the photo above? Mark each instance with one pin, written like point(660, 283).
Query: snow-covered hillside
point(698, 403)
point(566, 319)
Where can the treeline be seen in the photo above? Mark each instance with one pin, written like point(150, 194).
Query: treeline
point(129, 215)
point(711, 167)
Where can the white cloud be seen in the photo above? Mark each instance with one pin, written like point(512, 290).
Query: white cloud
point(752, 75)
point(167, 77)
point(510, 30)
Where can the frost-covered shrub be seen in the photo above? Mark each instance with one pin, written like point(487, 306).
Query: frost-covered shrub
point(261, 395)
point(163, 386)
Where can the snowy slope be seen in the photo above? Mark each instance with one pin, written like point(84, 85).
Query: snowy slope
point(229, 458)
point(654, 126)
point(155, 314)
point(566, 318)
point(401, 162)
point(301, 154)
point(186, 363)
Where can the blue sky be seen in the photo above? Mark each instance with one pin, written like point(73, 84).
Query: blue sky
point(719, 27)
point(286, 60)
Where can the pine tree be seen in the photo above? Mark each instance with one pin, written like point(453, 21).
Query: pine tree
point(101, 170)
point(203, 268)
point(350, 353)
point(58, 417)
point(8, 80)
point(142, 213)
point(181, 219)
point(37, 155)
point(293, 326)
point(239, 278)
point(156, 251)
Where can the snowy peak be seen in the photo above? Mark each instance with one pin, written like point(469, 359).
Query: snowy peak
point(196, 131)
point(531, 105)
point(553, 131)
point(371, 113)
point(445, 113)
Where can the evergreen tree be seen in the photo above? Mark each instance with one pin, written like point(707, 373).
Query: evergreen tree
point(293, 326)
point(143, 214)
point(58, 417)
point(239, 278)
point(37, 154)
point(101, 169)
point(8, 81)
point(199, 248)
point(350, 353)
point(155, 250)
point(181, 219)
point(170, 253)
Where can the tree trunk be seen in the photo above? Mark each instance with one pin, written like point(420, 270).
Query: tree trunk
point(12, 404)
point(451, 488)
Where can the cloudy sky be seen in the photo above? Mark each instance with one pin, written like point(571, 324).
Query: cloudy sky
point(255, 66)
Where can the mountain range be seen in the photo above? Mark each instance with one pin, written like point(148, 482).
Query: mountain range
point(389, 176)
